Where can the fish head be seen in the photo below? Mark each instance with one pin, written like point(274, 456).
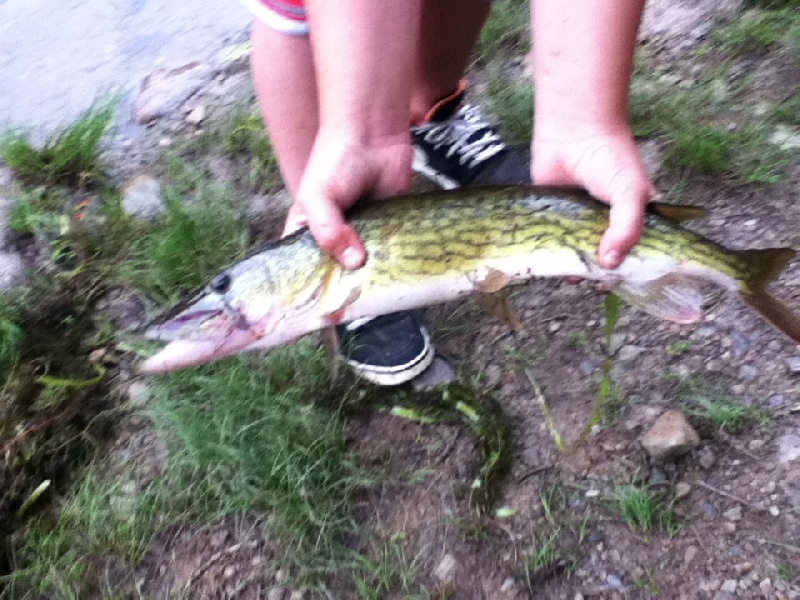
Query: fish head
point(255, 304)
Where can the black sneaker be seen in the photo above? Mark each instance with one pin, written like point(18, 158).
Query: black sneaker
point(458, 146)
point(387, 350)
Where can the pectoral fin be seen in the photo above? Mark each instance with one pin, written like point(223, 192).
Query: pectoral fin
point(673, 297)
point(498, 304)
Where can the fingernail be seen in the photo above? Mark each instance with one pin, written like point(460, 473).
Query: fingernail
point(612, 259)
point(351, 258)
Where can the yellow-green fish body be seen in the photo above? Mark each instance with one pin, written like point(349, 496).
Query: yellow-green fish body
point(429, 248)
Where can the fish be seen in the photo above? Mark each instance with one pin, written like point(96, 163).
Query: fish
point(429, 248)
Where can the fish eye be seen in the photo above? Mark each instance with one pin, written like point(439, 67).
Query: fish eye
point(221, 283)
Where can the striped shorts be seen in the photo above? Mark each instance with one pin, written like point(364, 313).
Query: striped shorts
point(286, 16)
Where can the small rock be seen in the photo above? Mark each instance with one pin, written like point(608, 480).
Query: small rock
point(774, 511)
point(729, 586)
point(297, 595)
point(755, 445)
point(141, 197)
point(12, 270)
point(197, 115)
point(617, 341)
point(733, 514)
point(705, 457)
point(788, 447)
point(682, 490)
point(614, 581)
point(708, 508)
point(657, 476)
point(439, 373)
point(165, 90)
point(446, 569)
point(793, 364)
point(670, 436)
point(138, 394)
point(276, 593)
point(630, 352)
point(508, 583)
point(785, 138)
point(587, 367)
point(766, 588)
point(747, 372)
point(689, 555)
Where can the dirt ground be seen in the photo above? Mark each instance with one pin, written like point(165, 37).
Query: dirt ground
point(740, 494)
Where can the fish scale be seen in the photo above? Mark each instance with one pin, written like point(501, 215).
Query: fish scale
point(428, 248)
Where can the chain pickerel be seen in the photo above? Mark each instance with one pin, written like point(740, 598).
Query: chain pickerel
point(430, 248)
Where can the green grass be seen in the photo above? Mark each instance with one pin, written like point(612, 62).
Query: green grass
point(644, 510)
point(242, 435)
point(788, 111)
point(386, 571)
point(711, 400)
point(201, 233)
point(511, 102)
point(70, 156)
point(11, 336)
point(688, 120)
point(757, 29)
point(506, 30)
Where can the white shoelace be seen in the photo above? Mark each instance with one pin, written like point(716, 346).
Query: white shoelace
point(457, 133)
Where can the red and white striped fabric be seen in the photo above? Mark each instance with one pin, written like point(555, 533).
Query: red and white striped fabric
point(286, 16)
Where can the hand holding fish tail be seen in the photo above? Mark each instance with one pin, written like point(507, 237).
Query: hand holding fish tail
point(340, 171)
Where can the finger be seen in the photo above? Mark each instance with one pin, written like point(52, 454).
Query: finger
point(295, 219)
point(335, 236)
point(624, 229)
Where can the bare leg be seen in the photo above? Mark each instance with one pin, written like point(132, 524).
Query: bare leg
point(448, 32)
point(283, 73)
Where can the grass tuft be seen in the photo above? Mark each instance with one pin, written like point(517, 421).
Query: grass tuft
point(506, 30)
point(711, 401)
point(644, 510)
point(196, 239)
point(70, 156)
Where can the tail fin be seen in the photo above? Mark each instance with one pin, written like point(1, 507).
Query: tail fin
point(763, 267)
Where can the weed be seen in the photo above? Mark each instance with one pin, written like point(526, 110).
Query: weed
point(511, 101)
point(679, 347)
point(644, 510)
point(544, 555)
point(195, 240)
point(70, 156)
point(390, 571)
point(704, 147)
point(648, 583)
point(787, 572)
point(507, 29)
point(711, 401)
point(755, 30)
point(788, 111)
point(578, 339)
point(11, 336)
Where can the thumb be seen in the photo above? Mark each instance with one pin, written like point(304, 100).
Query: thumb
point(335, 236)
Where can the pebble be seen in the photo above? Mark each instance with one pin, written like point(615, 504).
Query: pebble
point(670, 436)
point(793, 364)
point(788, 447)
point(682, 489)
point(755, 445)
point(614, 581)
point(439, 373)
point(509, 583)
point(689, 555)
point(774, 511)
point(197, 115)
point(747, 372)
point(163, 91)
point(705, 457)
point(708, 508)
point(733, 514)
point(630, 352)
point(141, 197)
point(276, 593)
point(446, 569)
point(729, 586)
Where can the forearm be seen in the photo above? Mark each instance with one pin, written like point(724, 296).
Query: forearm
point(583, 57)
point(364, 54)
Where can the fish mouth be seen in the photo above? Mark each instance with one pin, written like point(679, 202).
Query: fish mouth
point(182, 353)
